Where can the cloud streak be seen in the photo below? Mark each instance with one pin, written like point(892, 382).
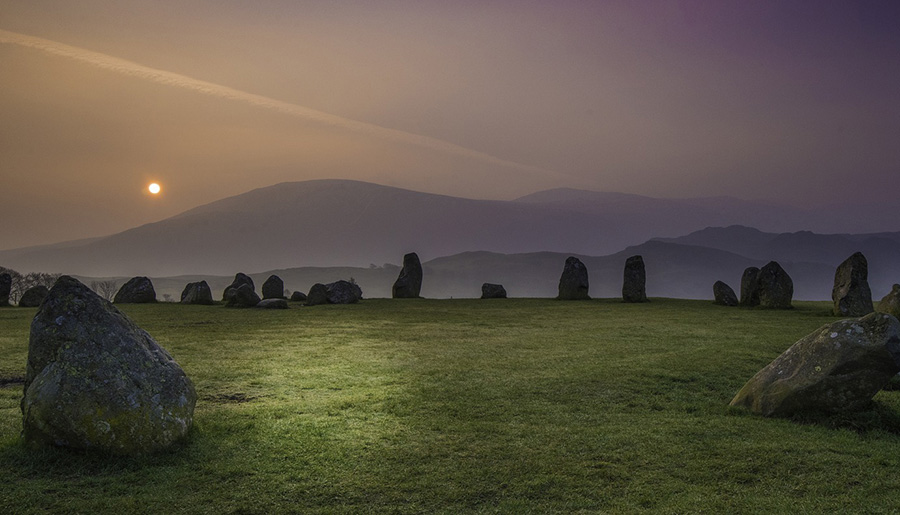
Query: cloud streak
point(131, 69)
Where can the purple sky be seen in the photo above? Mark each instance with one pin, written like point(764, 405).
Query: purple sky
point(794, 102)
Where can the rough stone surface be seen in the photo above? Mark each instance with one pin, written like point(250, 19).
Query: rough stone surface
point(776, 289)
point(241, 297)
point(197, 293)
point(272, 304)
point(851, 294)
point(5, 288)
point(273, 288)
point(838, 367)
point(138, 290)
point(298, 296)
point(724, 295)
point(634, 285)
point(573, 283)
point(890, 304)
point(95, 380)
point(409, 284)
point(239, 279)
point(33, 296)
point(493, 291)
point(343, 292)
point(318, 294)
point(750, 287)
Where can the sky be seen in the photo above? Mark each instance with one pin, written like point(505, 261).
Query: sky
point(793, 102)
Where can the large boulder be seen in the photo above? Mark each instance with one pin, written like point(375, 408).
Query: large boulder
point(838, 367)
point(95, 380)
point(573, 283)
point(890, 304)
point(343, 292)
point(724, 295)
point(272, 304)
point(33, 296)
point(318, 294)
point(197, 293)
point(775, 287)
point(5, 289)
point(750, 287)
point(138, 290)
point(298, 296)
point(634, 284)
point(241, 297)
point(851, 294)
point(409, 283)
point(273, 288)
point(239, 279)
point(493, 291)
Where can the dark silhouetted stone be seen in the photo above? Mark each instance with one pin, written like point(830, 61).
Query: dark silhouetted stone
point(239, 279)
point(5, 289)
point(298, 296)
point(241, 297)
point(776, 289)
point(273, 288)
point(197, 293)
point(409, 284)
point(272, 304)
point(851, 294)
point(724, 295)
point(95, 380)
point(33, 296)
point(318, 294)
point(573, 283)
point(138, 290)
point(890, 304)
point(750, 287)
point(634, 287)
point(343, 292)
point(838, 367)
point(493, 291)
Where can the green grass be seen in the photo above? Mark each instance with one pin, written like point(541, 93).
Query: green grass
point(452, 406)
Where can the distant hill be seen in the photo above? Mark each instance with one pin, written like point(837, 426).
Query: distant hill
point(349, 223)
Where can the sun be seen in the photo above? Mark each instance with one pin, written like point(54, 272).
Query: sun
point(154, 188)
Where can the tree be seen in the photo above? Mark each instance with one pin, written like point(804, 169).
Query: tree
point(21, 283)
point(106, 289)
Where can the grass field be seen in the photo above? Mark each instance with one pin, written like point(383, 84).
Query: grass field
point(450, 406)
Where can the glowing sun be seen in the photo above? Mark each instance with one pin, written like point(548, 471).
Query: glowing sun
point(154, 188)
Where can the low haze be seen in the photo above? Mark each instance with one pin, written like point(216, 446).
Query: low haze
point(794, 103)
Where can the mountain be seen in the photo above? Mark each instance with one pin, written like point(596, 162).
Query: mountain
point(350, 223)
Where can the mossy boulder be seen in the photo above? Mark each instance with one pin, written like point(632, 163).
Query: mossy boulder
point(138, 290)
point(197, 293)
point(241, 297)
point(95, 380)
point(573, 283)
point(493, 291)
point(724, 295)
point(273, 288)
point(775, 287)
point(750, 287)
point(890, 303)
point(838, 367)
point(851, 294)
point(239, 279)
point(33, 296)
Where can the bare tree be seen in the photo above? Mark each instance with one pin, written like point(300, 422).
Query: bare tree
point(21, 283)
point(106, 289)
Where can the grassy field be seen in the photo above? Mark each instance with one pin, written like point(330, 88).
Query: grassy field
point(450, 406)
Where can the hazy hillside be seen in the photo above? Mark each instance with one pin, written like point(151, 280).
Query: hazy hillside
point(349, 223)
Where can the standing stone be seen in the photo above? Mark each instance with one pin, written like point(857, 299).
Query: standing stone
point(138, 290)
point(298, 296)
point(724, 295)
point(890, 304)
point(5, 289)
point(241, 297)
point(197, 293)
point(750, 287)
point(272, 304)
point(493, 291)
point(838, 367)
point(95, 380)
point(634, 285)
point(239, 279)
point(343, 292)
point(273, 288)
point(851, 294)
point(776, 289)
point(33, 296)
point(318, 294)
point(573, 283)
point(409, 283)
